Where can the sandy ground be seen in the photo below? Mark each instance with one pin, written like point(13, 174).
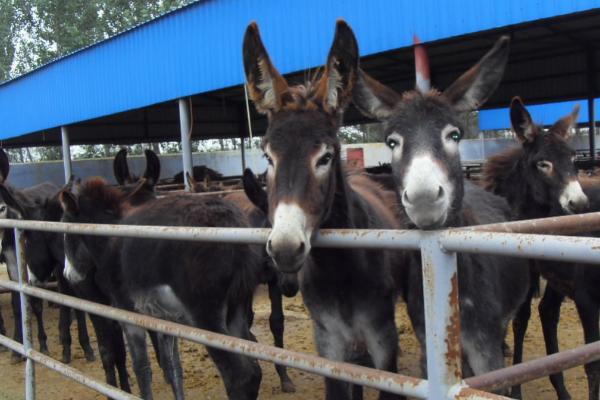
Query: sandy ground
point(202, 380)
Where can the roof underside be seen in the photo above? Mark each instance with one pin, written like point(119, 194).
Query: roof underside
point(552, 59)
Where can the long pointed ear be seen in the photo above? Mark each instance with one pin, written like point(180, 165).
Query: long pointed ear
point(374, 99)
point(564, 126)
point(4, 166)
point(10, 201)
point(152, 172)
point(521, 121)
point(476, 85)
point(255, 192)
point(68, 202)
point(334, 89)
point(266, 86)
point(120, 167)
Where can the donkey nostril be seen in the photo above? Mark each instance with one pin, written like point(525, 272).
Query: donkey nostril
point(301, 248)
point(269, 246)
point(440, 193)
point(405, 197)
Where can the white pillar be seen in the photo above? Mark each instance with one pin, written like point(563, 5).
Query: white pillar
point(186, 148)
point(66, 151)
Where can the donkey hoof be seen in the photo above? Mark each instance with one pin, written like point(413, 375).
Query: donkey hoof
point(506, 351)
point(288, 386)
point(66, 357)
point(16, 358)
point(90, 356)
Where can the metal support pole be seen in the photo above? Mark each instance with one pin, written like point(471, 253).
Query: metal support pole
point(25, 316)
point(243, 154)
point(592, 131)
point(442, 317)
point(66, 151)
point(186, 133)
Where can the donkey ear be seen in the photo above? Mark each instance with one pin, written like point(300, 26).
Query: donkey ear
point(266, 86)
point(374, 99)
point(334, 90)
point(4, 166)
point(564, 126)
point(521, 121)
point(152, 172)
point(10, 201)
point(68, 202)
point(120, 167)
point(476, 85)
point(254, 191)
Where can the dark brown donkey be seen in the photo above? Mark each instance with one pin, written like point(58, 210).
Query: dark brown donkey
point(540, 180)
point(423, 128)
point(205, 285)
point(350, 294)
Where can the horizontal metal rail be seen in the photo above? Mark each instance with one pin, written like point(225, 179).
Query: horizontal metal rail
point(523, 245)
point(566, 224)
point(67, 371)
point(534, 369)
point(377, 379)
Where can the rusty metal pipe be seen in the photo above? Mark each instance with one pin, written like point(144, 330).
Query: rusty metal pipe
point(67, 371)
point(384, 239)
point(543, 247)
point(537, 368)
point(380, 380)
point(567, 224)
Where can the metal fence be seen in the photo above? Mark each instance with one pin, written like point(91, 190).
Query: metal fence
point(440, 289)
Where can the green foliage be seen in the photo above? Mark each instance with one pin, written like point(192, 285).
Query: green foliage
point(35, 32)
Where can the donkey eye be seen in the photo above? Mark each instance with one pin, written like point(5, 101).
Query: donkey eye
point(269, 159)
point(2, 208)
point(455, 135)
point(391, 142)
point(324, 160)
point(544, 166)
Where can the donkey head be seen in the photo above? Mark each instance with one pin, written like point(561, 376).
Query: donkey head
point(124, 177)
point(300, 144)
point(548, 159)
point(423, 129)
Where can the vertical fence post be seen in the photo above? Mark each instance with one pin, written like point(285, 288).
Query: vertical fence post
point(442, 318)
point(186, 133)
point(66, 150)
point(25, 316)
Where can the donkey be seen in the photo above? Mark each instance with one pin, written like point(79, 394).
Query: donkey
point(81, 273)
point(254, 203)
point(539, 179)
point(121, 168)
point(205, 285)
point(350, 294)
point(422, 129)
point(45, 257)
point(20, 204)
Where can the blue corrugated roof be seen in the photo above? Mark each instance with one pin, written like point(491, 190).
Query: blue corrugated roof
point(543, 114)
point(198, 49)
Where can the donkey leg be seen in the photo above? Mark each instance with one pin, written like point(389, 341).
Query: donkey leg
point(37, 306)
point(83, 336)
point(549, 310)
point(588, 313)
point(64, 332)
point(241, 375)
point(483, 349)
point(520, 323)
point(333, 347)
point(2, 331)
point(276, 323)
point(171, 364)
point(136, 340)
point(118, 343)
point(18, 333)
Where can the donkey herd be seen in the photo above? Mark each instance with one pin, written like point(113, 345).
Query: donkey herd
point(351, 294)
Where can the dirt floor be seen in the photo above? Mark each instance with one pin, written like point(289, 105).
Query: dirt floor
point(202, 380)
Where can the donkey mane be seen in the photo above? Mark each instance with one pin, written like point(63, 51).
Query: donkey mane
point(498, 168)
point(98, 189)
